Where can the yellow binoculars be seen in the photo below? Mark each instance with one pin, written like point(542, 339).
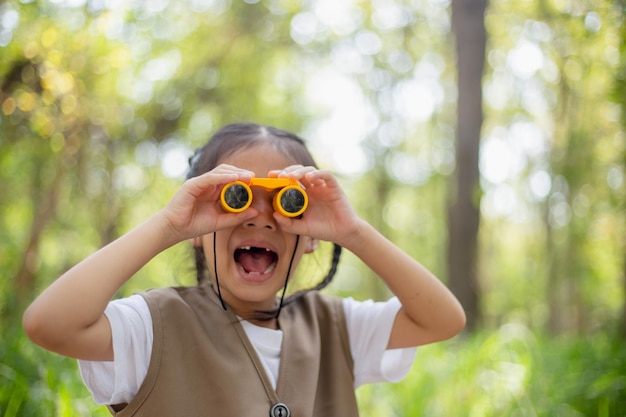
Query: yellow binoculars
point(290, 201)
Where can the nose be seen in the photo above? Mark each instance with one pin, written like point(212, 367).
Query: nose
point(262, 202)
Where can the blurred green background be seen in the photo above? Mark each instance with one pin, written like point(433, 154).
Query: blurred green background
point(486, 139)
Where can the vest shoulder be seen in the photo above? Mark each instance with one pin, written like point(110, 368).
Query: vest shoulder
point(181, 300)
point(175, 293)
point(319, 300)
point(315, 307)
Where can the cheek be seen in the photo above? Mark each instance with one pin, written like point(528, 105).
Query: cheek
point(303, 247)
point(310, 245)
point(220, 250)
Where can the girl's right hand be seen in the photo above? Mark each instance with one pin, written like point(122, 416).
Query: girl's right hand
point(195, 209)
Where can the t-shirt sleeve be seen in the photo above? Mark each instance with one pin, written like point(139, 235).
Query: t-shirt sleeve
point(369, 327)
point(118, 381)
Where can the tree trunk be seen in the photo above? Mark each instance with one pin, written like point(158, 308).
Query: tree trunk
point(620, 82)
point(463, 217)
point(45, 207)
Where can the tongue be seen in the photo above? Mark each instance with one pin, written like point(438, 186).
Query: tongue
point(255, 261)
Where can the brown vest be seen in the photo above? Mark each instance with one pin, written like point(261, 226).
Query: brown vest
point(203, 364)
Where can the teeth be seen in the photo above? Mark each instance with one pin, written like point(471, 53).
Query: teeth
point(250, 247)
point(269, 269)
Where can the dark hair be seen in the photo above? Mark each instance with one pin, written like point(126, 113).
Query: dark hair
point(237, 136)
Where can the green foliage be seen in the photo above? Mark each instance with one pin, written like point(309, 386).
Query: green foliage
point(96, 100)
point(36, 383)
point(511, 372)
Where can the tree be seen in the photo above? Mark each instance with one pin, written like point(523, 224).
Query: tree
point(620, 94)
point(471, 37)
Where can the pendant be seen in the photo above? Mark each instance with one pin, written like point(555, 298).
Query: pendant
point(280, 410)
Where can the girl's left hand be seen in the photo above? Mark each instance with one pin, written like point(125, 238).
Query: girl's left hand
point(329, 216)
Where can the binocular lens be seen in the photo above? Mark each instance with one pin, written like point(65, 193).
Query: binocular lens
point(292, 200)
point(236, 196)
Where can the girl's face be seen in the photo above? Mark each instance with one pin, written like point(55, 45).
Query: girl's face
point(253, 258)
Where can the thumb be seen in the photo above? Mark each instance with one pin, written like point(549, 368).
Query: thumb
point(235, 219)
point(290, 225)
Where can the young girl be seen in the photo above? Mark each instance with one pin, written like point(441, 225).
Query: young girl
point(232, 345)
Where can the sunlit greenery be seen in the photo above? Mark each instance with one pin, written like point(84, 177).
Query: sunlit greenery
point(508, 372)
point(102, 102)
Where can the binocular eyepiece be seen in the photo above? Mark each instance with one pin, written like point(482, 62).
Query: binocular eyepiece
point(290, 201)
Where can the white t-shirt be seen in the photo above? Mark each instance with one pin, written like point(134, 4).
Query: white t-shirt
point(369, 326)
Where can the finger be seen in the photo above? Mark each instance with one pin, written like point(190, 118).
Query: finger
point(320, 174)
point(289, 225)
point(227, 220)
point(293, 171)
point(199, 186)
point(226, 168)
point(219, 176)
point(319, 178)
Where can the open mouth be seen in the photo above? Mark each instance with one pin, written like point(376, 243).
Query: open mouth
point(256, 260)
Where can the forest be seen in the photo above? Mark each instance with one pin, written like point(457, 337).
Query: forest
point(485, 138)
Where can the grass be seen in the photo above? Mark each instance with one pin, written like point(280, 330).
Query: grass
point(37, 383)
point(508, 372)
